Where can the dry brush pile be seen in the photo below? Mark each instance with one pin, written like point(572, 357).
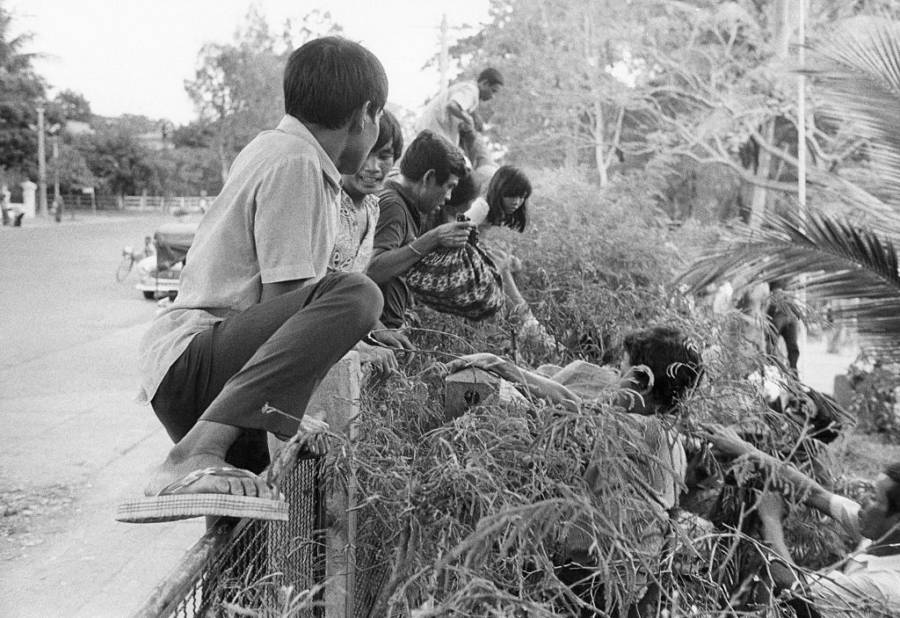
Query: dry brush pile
point(471, 516)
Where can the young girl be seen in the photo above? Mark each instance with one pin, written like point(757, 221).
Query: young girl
point(359, 204)
point(505, 203)
point(357, 219)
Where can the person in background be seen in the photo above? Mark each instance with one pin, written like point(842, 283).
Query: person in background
point(504, 203)
point(782, 324)
point(454, 115)
point(429, 171)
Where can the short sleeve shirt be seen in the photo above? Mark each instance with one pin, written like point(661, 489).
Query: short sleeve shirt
point(435, 116)
point(866, 585)
point(274, 220)
point(398, 225)
point(478, 211)
point(846, 512)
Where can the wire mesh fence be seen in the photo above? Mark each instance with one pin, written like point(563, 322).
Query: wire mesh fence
point(253, 566)
point(306, 567)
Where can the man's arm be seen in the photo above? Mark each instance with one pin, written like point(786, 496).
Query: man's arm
point(387, 263)
point(537, 385)
point(456, 110)
point(727, 441)
point(771, 511)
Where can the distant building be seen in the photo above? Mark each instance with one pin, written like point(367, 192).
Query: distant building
point(76, 128)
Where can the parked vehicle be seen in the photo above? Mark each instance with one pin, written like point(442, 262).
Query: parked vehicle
point(160, 273)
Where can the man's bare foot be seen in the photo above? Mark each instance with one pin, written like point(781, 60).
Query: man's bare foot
point(172, 471)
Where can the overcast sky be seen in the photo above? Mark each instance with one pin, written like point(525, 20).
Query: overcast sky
point(132, 56)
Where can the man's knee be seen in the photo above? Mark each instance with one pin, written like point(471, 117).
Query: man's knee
point(363, 295)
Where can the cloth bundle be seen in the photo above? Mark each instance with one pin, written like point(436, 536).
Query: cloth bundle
point(461, 281)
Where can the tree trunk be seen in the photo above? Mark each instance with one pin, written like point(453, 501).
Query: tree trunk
point(599, 143)
point(763, 167)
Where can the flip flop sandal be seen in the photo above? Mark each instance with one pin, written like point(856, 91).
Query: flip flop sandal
point(170, 505)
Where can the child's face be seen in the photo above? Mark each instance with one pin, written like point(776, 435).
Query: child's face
point(370, 177)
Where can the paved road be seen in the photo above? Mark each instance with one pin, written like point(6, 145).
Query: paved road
point(74, 442)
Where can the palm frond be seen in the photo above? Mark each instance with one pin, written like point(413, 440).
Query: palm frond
point(842, 262)
point(858, 74)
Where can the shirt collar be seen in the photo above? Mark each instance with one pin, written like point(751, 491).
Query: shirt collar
point(407, 200)
point(291, 125)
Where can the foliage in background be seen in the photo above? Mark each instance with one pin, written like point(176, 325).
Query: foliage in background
point(20, 87)
point(237, 88)
point(876, 401)
point(701, 91)
point(853, 265)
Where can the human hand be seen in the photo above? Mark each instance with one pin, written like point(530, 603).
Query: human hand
point(381, 360)
point(770, 507)
point(393, 338)
point(485, 361)
point(452, 235)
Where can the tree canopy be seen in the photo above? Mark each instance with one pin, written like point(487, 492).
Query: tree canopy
point(20, 90)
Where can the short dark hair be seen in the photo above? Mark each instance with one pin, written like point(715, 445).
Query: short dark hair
point(491, 76)
point(892, 471)
point(508, 181)
point(389, 131)
point(463, 193)
point(674, 361)
point(328, 79)
point(430, 151)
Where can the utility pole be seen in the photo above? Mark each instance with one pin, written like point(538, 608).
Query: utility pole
point(57, 199)
point(42, 163)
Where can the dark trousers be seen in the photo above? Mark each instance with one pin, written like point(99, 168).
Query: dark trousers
point(258, 369)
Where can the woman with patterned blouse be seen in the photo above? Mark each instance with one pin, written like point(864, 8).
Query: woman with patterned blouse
point(358, 217)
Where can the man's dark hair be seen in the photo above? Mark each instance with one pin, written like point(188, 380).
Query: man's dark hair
point(463, 193)
point(429, 151)
point(328, 79)
point(892, 471)
point(508, 181)
point(491, 76)
point(389, 131)
point(675, 363)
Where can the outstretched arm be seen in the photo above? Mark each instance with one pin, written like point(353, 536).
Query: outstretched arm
point(771, 512)
point(728, 442)
point(537, 385)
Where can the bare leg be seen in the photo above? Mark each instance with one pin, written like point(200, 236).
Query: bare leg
point(205, 445)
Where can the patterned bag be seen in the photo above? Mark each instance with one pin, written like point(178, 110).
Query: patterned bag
point(462, 281)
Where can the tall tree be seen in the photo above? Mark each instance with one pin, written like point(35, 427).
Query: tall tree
point(563, 102)
point(675, 85)
point(856, 74)
point(237, 86)
point(73, 106)
point(20, 89)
